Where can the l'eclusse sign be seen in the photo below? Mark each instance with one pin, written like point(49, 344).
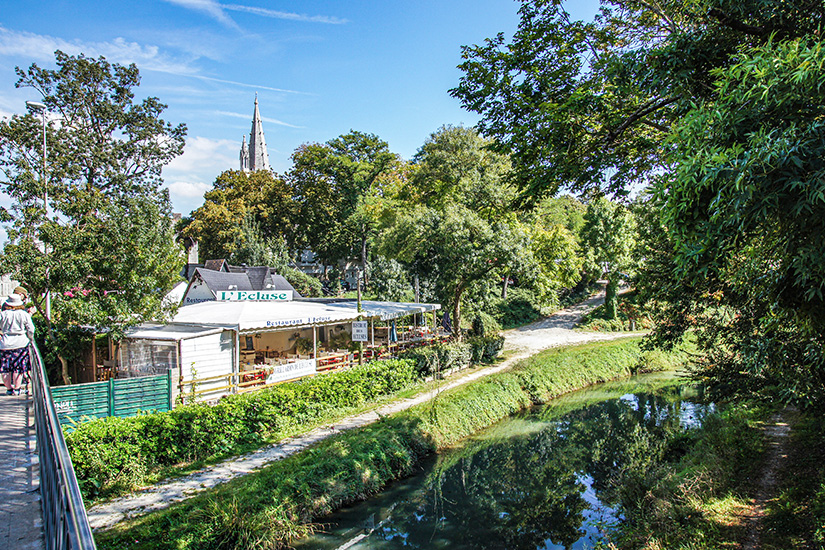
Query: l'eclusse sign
point(254, 295)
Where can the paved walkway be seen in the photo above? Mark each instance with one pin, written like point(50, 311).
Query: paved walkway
point(520, 343)
point(21, 524)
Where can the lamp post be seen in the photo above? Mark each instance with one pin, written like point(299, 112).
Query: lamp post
point(41, 108)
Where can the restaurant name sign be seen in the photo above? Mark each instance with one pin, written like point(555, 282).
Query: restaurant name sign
point(254, 295)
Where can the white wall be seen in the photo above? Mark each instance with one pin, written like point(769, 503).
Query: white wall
point(208, 356)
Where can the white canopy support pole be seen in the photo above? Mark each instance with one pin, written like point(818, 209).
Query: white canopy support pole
point(372, 332)
point(236, 363)
point(315, 344)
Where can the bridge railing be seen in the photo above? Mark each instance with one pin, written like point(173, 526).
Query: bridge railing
point(65, 524)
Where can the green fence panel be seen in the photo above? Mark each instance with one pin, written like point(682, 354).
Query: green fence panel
point(124, 397)
point(79, 402)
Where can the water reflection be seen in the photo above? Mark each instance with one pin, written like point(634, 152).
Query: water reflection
point(541, 479)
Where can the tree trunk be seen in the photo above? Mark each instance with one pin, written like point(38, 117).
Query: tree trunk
point(457, 313)
point(504, 287)
point(364, 258)
point(610, 298)
point(64, 370)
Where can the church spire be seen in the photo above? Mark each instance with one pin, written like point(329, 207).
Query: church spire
point(255, 153)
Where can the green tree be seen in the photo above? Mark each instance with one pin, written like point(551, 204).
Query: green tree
point(259, 198)
point(331, 182)
point(608, 237)
point(453, 247)
point(746, 211)
point(103, 247)
point(584, 105)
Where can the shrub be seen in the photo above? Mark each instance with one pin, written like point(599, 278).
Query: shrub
point(485, 349)
point(440, 357)
point(115, 455)
point(520, 308)
point(484, 324)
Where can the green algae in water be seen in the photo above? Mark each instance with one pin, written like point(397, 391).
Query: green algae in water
point(541, 479)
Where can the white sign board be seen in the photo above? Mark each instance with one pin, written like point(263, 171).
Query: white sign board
point(255, 295)
point(360, 330)
point(302, 367)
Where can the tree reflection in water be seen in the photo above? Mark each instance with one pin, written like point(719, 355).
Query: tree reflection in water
point(538, 480)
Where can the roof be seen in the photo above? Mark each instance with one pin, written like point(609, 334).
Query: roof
point(249, 316)
point(247, 278)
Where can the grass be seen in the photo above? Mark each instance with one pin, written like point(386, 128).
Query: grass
point(268, 508)
point(696, 492)
point(796, 517)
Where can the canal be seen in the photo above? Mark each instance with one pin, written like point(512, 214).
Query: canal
point(542, 479)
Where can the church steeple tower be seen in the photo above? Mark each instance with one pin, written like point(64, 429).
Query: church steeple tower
point(254, 156)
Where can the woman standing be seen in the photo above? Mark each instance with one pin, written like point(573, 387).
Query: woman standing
point(18, 330)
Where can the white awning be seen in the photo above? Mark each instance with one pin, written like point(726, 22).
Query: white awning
point(261, 316)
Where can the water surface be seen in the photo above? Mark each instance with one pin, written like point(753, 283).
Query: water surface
point(541, 479)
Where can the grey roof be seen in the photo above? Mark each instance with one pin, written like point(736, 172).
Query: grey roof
point(247, 278)
point(221, 280)
point(258, 277)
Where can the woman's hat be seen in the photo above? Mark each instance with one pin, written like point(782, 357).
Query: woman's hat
point(14, 301)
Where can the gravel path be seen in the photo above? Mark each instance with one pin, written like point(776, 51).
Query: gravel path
point(553, 331)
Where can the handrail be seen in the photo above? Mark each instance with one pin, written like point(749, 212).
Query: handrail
point(65, 524)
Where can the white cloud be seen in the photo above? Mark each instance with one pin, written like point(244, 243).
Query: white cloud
point(204, 156)
point(209, 7)
point(256, 86)
point(42, 47)
point(189, 189)
point(217, 11)
point(249, 118)
point(286, 15)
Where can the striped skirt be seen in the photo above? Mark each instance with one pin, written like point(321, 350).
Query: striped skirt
point(14, 360)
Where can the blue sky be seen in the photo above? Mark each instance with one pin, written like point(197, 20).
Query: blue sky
point(319, 68)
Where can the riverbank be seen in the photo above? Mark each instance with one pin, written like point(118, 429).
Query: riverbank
point(270, 507)
point(751, 477)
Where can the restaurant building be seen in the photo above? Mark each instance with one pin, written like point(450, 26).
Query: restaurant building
point(240, 331)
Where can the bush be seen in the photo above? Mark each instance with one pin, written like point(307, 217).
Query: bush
point(484, 324)
point(485, 349)
point(520, 308)
point(115, 455)
point(440, 357)
point(306, 285)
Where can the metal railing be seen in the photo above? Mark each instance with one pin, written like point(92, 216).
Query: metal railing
point(65, 524)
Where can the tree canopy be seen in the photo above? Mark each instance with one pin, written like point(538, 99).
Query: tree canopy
point(589, 105)
point(103, 246)
point(715, 103)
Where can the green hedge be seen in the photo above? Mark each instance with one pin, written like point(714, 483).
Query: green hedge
point(278, 503)
point(115, 455)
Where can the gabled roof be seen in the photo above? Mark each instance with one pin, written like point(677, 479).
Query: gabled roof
point(243, 278)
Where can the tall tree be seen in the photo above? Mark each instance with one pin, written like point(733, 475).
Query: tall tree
point(331, 182)
point(587, 105)
point(452, 225)
point(103, 246)
point(260, 198)
point(608, 236)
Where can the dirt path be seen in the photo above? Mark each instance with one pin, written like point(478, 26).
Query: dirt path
point(553, 331)
point(776, 434)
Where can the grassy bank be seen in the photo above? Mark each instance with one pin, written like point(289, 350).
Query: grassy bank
point(269, 508)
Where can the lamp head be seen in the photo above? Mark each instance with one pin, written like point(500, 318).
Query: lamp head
point(35, 105)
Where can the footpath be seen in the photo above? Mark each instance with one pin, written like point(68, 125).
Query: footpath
point(520, 343)
point(21, 524)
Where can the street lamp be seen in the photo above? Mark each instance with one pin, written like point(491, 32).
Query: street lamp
point(41, 108)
